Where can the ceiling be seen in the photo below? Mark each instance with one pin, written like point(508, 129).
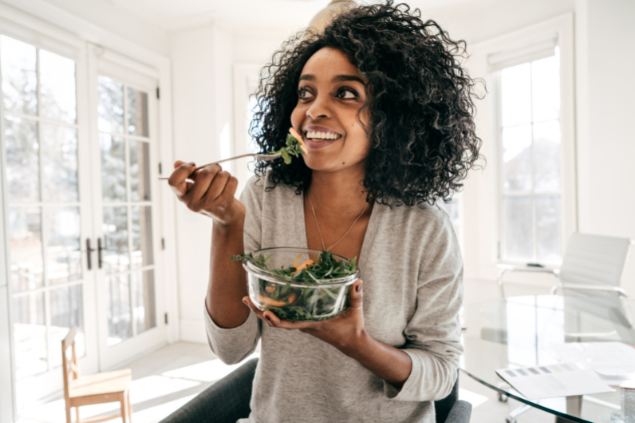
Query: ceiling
point(178, 14)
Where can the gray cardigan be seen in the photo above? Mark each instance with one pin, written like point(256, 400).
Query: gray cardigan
point(413, 288)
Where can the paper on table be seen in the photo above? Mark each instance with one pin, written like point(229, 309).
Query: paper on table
point(555, 380)
point(611, 360)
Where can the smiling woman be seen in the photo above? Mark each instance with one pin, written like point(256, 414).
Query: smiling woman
point(385, 111)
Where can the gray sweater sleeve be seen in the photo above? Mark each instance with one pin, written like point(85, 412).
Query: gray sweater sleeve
point(235, 344)
point(433, 334)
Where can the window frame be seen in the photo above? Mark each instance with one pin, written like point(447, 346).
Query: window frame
point(482, 189)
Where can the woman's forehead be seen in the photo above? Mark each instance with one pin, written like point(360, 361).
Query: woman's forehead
point(328, 62)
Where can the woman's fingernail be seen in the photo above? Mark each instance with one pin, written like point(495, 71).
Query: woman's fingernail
point(246, 303)
point(268, 318)
point(358, 288)
point(192, 164)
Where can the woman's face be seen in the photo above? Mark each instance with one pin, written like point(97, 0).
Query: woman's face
point(330, 93)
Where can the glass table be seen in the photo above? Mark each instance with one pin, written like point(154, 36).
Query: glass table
point(518, 331)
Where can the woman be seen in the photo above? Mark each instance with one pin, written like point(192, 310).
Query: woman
point(385, 110)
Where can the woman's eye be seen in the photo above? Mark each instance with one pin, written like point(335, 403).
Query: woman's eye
point(347, 94)
point(303, 94)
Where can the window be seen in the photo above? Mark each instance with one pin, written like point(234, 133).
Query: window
point(530, 161)
point(39, 116)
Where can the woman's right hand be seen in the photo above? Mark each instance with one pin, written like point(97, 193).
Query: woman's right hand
point(211, 193)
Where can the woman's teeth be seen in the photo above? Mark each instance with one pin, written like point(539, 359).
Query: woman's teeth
point(321, 135)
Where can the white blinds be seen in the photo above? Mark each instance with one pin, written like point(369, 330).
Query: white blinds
point(538, 49)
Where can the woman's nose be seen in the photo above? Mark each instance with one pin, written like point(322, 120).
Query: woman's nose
point(319, 108)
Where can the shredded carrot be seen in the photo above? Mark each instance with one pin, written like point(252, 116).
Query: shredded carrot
point(299, 138)
point(304, 265)
point(297, 261)
point(270, 302)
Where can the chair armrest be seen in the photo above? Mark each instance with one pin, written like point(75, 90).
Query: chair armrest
point(621, 292)
point(502, 269)
point(460, 412)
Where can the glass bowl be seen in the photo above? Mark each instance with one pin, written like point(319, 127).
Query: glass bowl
point(298, 300)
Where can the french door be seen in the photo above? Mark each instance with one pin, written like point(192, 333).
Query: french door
point(79, 155)
point(125, 200)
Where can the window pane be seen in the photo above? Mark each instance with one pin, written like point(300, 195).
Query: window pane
point(67, 310)
point(516, 95)
point(139, 171)
point(19, 76)
point(545, 76)
point(547, 151)
point(548, 246)
point(29, 332)
point(518, 228)
point(143, 298)
point(23, 161)
point(137, 112)
point(25, 230)
point(59, 150)
point(119, 316)
point(517, 158)
point(57, 79)
point(113, 168)
point(110, 105)
point(142, 236)
point(64, 261)
point(115, 228)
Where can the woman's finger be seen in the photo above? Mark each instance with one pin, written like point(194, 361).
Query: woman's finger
point(177, 178)
point(218, 186)
point(276, 322)
point(204, 179)
point(357, 296)
point(226, 197)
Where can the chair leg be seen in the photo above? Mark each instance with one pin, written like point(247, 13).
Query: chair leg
point(68, 414)
point(122, 401)
point(129, 406)
point(77, 414)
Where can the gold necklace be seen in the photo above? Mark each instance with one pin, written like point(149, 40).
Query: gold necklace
point(343, 236)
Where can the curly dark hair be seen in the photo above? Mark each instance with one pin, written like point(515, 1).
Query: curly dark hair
point(422, 131)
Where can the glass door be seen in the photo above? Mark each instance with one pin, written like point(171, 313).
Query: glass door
point(129, 279)
point(48, 214)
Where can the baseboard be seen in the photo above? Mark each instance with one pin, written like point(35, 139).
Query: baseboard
point(193, 331)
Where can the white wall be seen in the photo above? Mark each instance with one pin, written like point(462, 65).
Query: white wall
point(606, 111)
point(203, 60)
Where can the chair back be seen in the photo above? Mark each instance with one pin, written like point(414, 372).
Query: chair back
point(444, 406)
point(594, 259)
point(69, 365)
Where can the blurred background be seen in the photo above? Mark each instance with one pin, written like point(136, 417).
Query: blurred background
point(100, 97)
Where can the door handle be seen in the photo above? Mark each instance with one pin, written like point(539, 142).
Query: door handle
point(99, 250)
point(89, 254)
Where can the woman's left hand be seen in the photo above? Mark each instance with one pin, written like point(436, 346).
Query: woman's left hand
point(345, 332)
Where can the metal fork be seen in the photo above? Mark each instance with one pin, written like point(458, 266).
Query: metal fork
point(263, 157)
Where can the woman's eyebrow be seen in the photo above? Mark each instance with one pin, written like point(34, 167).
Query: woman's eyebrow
point(338, 78)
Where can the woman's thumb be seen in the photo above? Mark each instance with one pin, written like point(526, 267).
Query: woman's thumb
point(357, 294)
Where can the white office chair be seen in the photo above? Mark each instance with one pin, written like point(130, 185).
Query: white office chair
point(590, 263)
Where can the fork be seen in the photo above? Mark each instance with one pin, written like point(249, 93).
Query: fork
point(263, 157)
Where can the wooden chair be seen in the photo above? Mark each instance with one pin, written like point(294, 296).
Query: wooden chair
point(94, 389)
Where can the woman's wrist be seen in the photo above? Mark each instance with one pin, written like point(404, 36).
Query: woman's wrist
point(357, 344)
point(229, 229)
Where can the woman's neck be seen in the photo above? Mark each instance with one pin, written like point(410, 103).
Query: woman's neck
point(338, 193)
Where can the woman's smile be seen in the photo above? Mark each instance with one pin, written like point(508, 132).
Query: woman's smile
point(316, 136)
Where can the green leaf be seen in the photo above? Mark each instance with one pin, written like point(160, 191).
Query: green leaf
point(286, 156)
